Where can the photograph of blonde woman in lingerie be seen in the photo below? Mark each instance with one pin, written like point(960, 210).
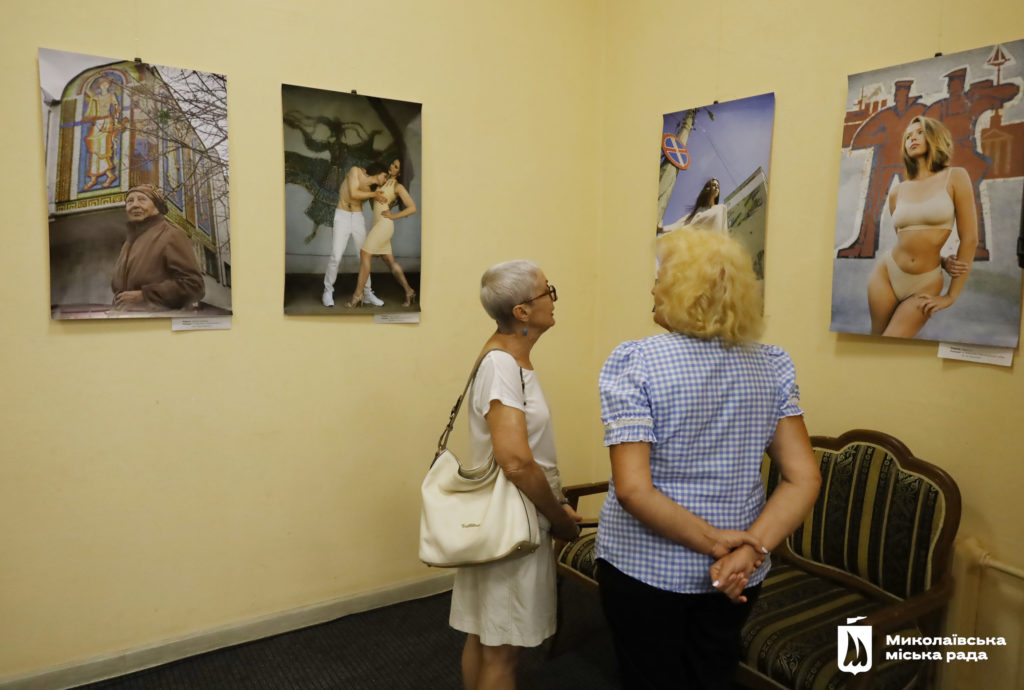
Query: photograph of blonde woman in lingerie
point(930, 199)
point(905, 287)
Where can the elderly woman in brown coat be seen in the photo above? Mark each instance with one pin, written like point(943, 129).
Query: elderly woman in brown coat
point(157, 268)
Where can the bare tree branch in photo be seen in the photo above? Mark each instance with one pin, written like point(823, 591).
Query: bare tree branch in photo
point(185, 112)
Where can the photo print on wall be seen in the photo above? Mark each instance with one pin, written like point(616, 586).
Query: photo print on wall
point(929, 209)
point(136, 188)
point(352, 203)
point(714, 171)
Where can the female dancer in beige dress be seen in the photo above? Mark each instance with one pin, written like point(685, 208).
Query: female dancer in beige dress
point(378, 240)
point(905, 287)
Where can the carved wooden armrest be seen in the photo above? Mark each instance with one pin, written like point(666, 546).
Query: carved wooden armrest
point(573, 493)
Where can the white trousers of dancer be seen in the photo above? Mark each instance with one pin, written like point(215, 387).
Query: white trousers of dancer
point(346, 224)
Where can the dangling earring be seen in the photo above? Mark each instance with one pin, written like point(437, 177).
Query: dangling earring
point(525, 332)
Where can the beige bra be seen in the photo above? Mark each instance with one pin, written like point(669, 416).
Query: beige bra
point(935, 211)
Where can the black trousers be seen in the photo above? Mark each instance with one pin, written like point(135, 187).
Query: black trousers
point(670, 641)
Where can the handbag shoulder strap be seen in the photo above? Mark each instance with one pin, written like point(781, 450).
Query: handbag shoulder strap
point(442, 443)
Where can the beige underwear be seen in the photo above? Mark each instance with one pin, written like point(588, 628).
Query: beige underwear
point(905, 284)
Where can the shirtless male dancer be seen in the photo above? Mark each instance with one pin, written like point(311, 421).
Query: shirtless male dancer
point(348, 221)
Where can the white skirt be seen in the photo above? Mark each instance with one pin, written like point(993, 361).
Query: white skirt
point(511, 601)
point(508, 602)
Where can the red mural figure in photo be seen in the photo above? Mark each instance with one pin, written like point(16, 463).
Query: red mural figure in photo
point(883, 132)
point(959, 113)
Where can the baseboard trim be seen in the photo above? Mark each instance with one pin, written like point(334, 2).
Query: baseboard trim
point(102, 668)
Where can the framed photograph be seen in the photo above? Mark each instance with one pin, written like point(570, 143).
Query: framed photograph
point(136, 187)
point(929, 207)
point(352, 203)
point(714, 171)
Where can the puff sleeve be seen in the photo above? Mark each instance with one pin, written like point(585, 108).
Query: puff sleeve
point(785, 374)
point(625, 399)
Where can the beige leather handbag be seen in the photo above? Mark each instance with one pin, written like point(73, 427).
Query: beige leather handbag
point(472, 515)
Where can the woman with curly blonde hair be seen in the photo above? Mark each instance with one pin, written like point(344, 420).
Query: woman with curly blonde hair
point(688, 415)
point(707, 289)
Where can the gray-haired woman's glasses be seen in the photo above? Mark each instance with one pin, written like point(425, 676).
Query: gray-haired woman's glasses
point(550, 291)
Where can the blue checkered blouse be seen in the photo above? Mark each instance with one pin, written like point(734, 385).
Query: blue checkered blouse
point(708, 410)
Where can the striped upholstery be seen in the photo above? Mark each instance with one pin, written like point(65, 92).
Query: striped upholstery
point(882, 516)
point(578, 556)
point(873, 519)
point(889, 545)
point(790, 636)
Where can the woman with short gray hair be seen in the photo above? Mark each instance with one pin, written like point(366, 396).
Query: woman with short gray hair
point(504, 286)
point(509, 604)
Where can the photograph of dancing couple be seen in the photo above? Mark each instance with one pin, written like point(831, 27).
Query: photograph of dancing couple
point(351, 213)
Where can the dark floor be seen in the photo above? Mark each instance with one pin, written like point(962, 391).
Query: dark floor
point(302, 293)
point(405, 646)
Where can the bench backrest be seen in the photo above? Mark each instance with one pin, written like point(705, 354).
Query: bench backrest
point(882, 515)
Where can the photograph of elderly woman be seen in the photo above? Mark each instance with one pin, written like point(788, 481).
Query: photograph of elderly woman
point(929, 208)
point(714, 171)
point(352, 191)
point(136, 188)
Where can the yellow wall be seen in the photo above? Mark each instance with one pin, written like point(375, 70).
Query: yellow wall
point(153, 485)
point(964, 417)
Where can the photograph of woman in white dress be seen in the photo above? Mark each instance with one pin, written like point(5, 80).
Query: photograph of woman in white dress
point(713, 172)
